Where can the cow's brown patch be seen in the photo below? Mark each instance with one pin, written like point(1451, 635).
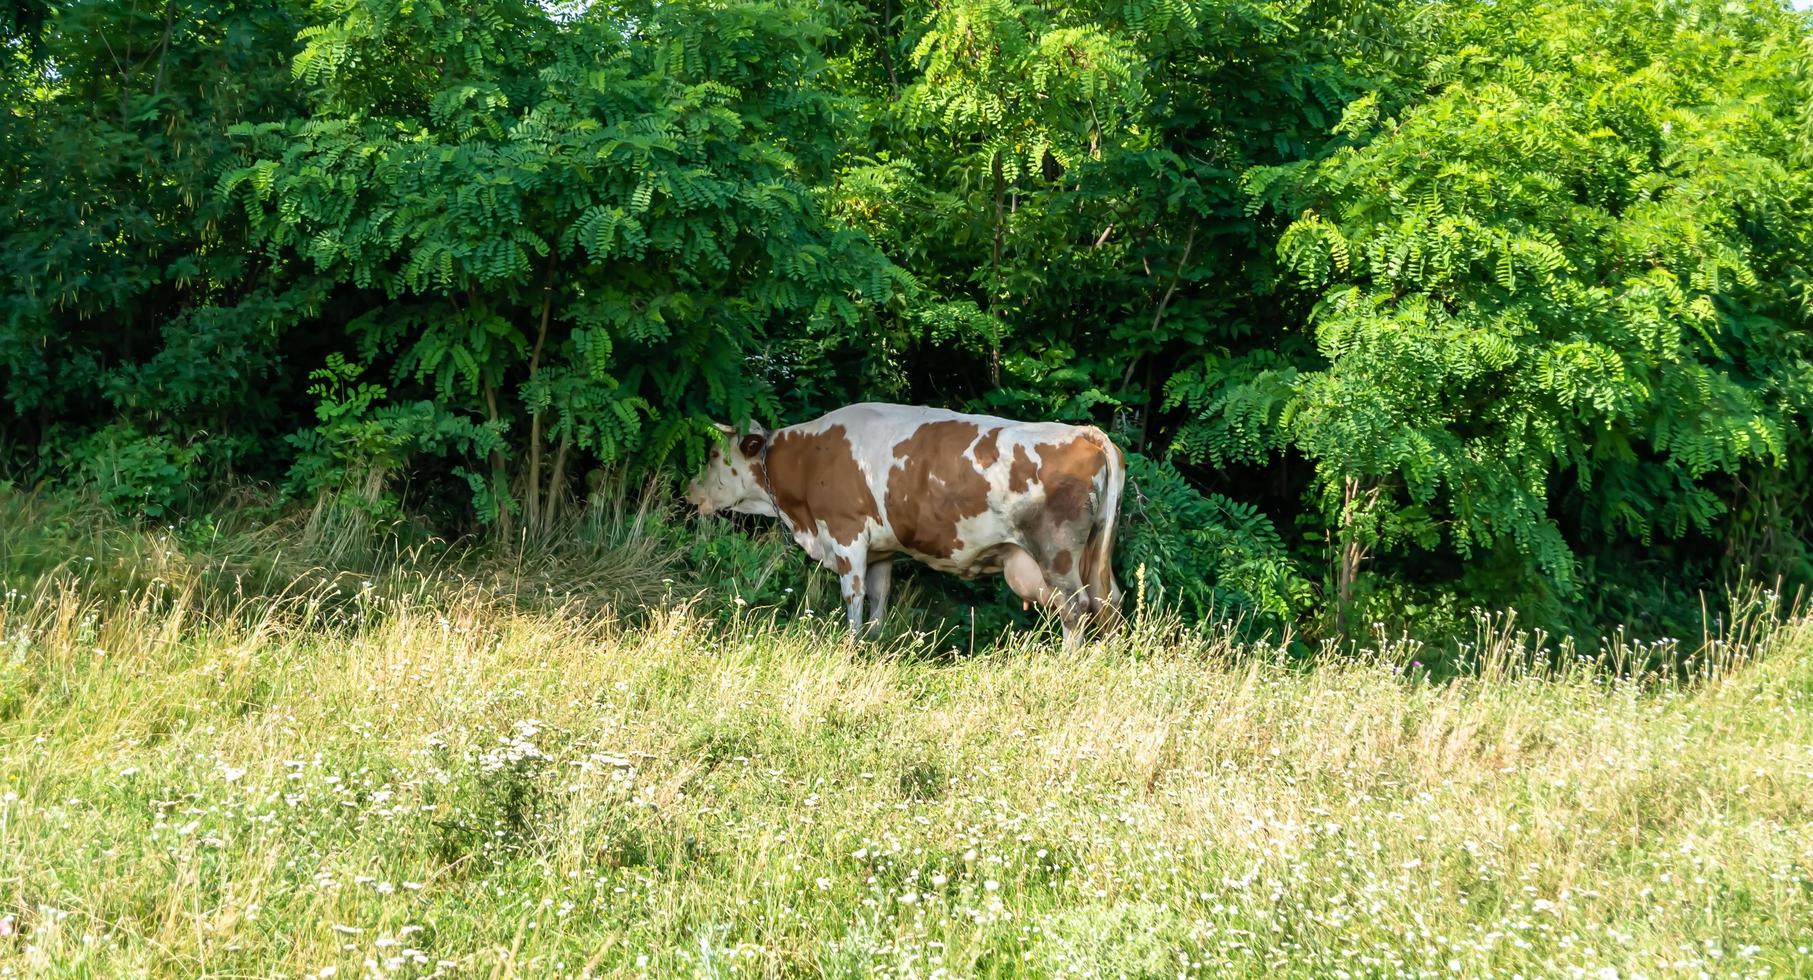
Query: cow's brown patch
point(1020, 474)
point(1062, 562)
point(842, 564)
point(934, 487)
point(814, 477)
point(1067, 471)
point(988, 449)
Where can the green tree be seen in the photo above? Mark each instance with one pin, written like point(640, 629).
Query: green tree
point(128, 299)
point(1396, 307)
point(577, 235)
point(1572, 260)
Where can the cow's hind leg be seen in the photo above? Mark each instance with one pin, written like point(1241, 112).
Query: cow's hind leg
point(880, 579)
point(1072, 602)
point(1059, 553)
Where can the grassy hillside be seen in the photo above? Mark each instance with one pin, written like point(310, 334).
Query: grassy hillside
point(414, 786)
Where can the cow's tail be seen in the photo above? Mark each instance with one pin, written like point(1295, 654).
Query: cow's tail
point(1098, 572)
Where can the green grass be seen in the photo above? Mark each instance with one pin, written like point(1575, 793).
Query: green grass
point(438, 781)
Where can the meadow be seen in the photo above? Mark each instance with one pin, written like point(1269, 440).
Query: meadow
point(419, 775)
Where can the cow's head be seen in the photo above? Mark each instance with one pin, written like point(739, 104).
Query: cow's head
point(732, 478)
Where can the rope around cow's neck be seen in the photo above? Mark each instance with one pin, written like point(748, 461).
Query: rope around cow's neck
point(768, 484)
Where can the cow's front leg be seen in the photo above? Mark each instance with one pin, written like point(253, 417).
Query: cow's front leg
point(850, 564)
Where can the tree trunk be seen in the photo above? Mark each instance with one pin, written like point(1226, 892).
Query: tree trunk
point(163, 48)
point(994, 284)
point(500, 484)
point(532, 497)
point(557, 480)
point(1357, 500)
point(1176, 277)
point(885, 41)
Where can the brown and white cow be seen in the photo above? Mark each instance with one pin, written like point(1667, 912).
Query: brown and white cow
point(969, 494)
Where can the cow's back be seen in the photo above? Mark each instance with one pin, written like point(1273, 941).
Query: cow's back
point(951, 489)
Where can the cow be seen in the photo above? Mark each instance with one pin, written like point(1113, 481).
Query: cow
point(971, 495)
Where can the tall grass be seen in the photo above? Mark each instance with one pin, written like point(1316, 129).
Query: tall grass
point(629, 549)
point(613, 557)
point(444, 781)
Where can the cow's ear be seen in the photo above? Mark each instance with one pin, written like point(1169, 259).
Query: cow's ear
point(752, 444)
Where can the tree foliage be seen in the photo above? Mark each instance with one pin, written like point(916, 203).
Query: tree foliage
point(586, 224)
point(129, 300)
point(1561, 290)
point(1396, 306)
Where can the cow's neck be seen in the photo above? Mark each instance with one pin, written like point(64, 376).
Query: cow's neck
point(760, 506)
point(772, 507)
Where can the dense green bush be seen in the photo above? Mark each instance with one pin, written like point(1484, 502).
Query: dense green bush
point(1397, 307)
point(1205, 555)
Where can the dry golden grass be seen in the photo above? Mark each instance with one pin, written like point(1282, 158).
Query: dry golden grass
point(455, 787)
